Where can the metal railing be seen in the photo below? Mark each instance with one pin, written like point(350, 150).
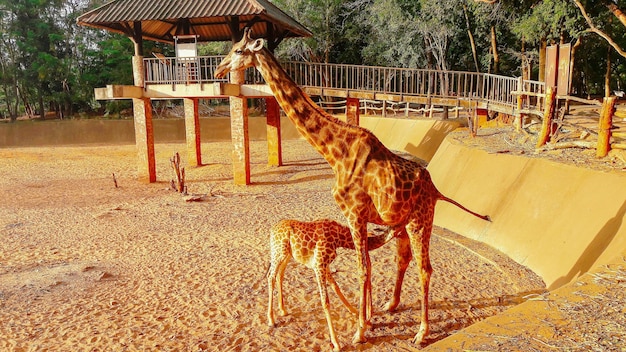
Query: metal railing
point(481, 87)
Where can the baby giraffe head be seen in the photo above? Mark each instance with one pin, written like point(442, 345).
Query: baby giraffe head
point(241, 56)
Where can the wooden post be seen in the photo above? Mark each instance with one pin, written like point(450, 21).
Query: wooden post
point(192, 131)
point(274, 143)
point(384, 112)
point(604, 128)
point(548, 113)
point(472, 121)
point(144, 140)
point(239, 134)
point(519, 118)
point(352, 111)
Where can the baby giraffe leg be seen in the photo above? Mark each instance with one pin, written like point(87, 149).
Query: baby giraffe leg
point(276, 271)
point(341, 296)
point(281, 276)
point(321, 276)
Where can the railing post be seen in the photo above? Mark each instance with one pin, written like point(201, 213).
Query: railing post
point(604, 128)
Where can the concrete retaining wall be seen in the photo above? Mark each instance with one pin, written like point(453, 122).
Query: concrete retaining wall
point(559, 220)
point(97, 131)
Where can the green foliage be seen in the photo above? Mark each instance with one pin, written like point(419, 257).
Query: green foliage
point(48, 62)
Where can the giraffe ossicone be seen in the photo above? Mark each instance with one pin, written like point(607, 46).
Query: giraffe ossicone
point(372, 184)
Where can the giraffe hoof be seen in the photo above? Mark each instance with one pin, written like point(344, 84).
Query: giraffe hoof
point(391, 306)
point(421, 334)
point(359, 337)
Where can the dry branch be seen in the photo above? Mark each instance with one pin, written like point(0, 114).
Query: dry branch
point(568, 144)
point(179, 172)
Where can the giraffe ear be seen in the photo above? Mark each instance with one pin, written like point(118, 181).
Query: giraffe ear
point(256, 45)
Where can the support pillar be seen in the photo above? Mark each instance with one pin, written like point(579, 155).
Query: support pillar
point(144, 140)
point(353, 111)
point(274, 142)
point(138, 70)
point(239, 134)
point(192, 131)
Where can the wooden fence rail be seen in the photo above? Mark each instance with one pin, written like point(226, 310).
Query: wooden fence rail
point(513, 96)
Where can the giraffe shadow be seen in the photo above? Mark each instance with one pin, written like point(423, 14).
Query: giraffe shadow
point(444, 325)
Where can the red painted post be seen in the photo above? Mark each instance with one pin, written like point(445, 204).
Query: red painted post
point(353, 111)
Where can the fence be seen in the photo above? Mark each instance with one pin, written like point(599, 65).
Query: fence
point(513, 96)
point(487, 88)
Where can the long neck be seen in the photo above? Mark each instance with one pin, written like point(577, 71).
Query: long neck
point(317, 126)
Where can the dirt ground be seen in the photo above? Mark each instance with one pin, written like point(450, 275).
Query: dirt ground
point(86, 266)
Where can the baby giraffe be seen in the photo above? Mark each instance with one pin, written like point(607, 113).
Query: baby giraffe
point(313, 244)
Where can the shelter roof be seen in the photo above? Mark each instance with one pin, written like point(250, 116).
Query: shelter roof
point(210, 20)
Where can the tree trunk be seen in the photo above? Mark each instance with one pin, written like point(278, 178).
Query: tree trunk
point(494, 50)
point(616, 11)
point(471, 38)
point(542, 59)
point(525, 62)
point(607, 74)
point(42, 109)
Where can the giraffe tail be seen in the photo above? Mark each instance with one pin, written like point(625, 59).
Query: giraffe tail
point(452, 201)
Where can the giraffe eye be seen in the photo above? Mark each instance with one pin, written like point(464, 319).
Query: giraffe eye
point(238, 51)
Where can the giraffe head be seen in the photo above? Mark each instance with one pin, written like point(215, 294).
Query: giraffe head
point(241, 56)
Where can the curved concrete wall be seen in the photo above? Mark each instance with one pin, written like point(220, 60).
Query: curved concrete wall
point(418, 137)
point(558, 220)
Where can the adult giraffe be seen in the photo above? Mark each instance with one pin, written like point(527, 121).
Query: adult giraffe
point(372, 184)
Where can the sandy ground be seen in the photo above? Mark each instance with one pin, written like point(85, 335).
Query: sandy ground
point(86, 266)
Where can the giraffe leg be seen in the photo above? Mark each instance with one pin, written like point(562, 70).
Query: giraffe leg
point(281, 274)
point(420, 243)
point(276, 271)
point(321, 276)
point(359, 236)
point(341, 296)
point(271, 279)
point(403, 258)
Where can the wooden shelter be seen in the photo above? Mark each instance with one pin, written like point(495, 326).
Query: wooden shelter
point(176, 22)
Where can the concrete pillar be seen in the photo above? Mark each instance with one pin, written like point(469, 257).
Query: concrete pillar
point(138, 71)
point(239, 134)
point(353, 111)
point(274, 143)
point(192, 131)
point(144, 140)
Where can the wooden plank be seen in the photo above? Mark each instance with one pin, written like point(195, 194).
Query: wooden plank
point(389, 97)
point(417, 100)
point(111, 92)
point(335, 93)
point(443, 101)
point(312, 91)
point(361, 95)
